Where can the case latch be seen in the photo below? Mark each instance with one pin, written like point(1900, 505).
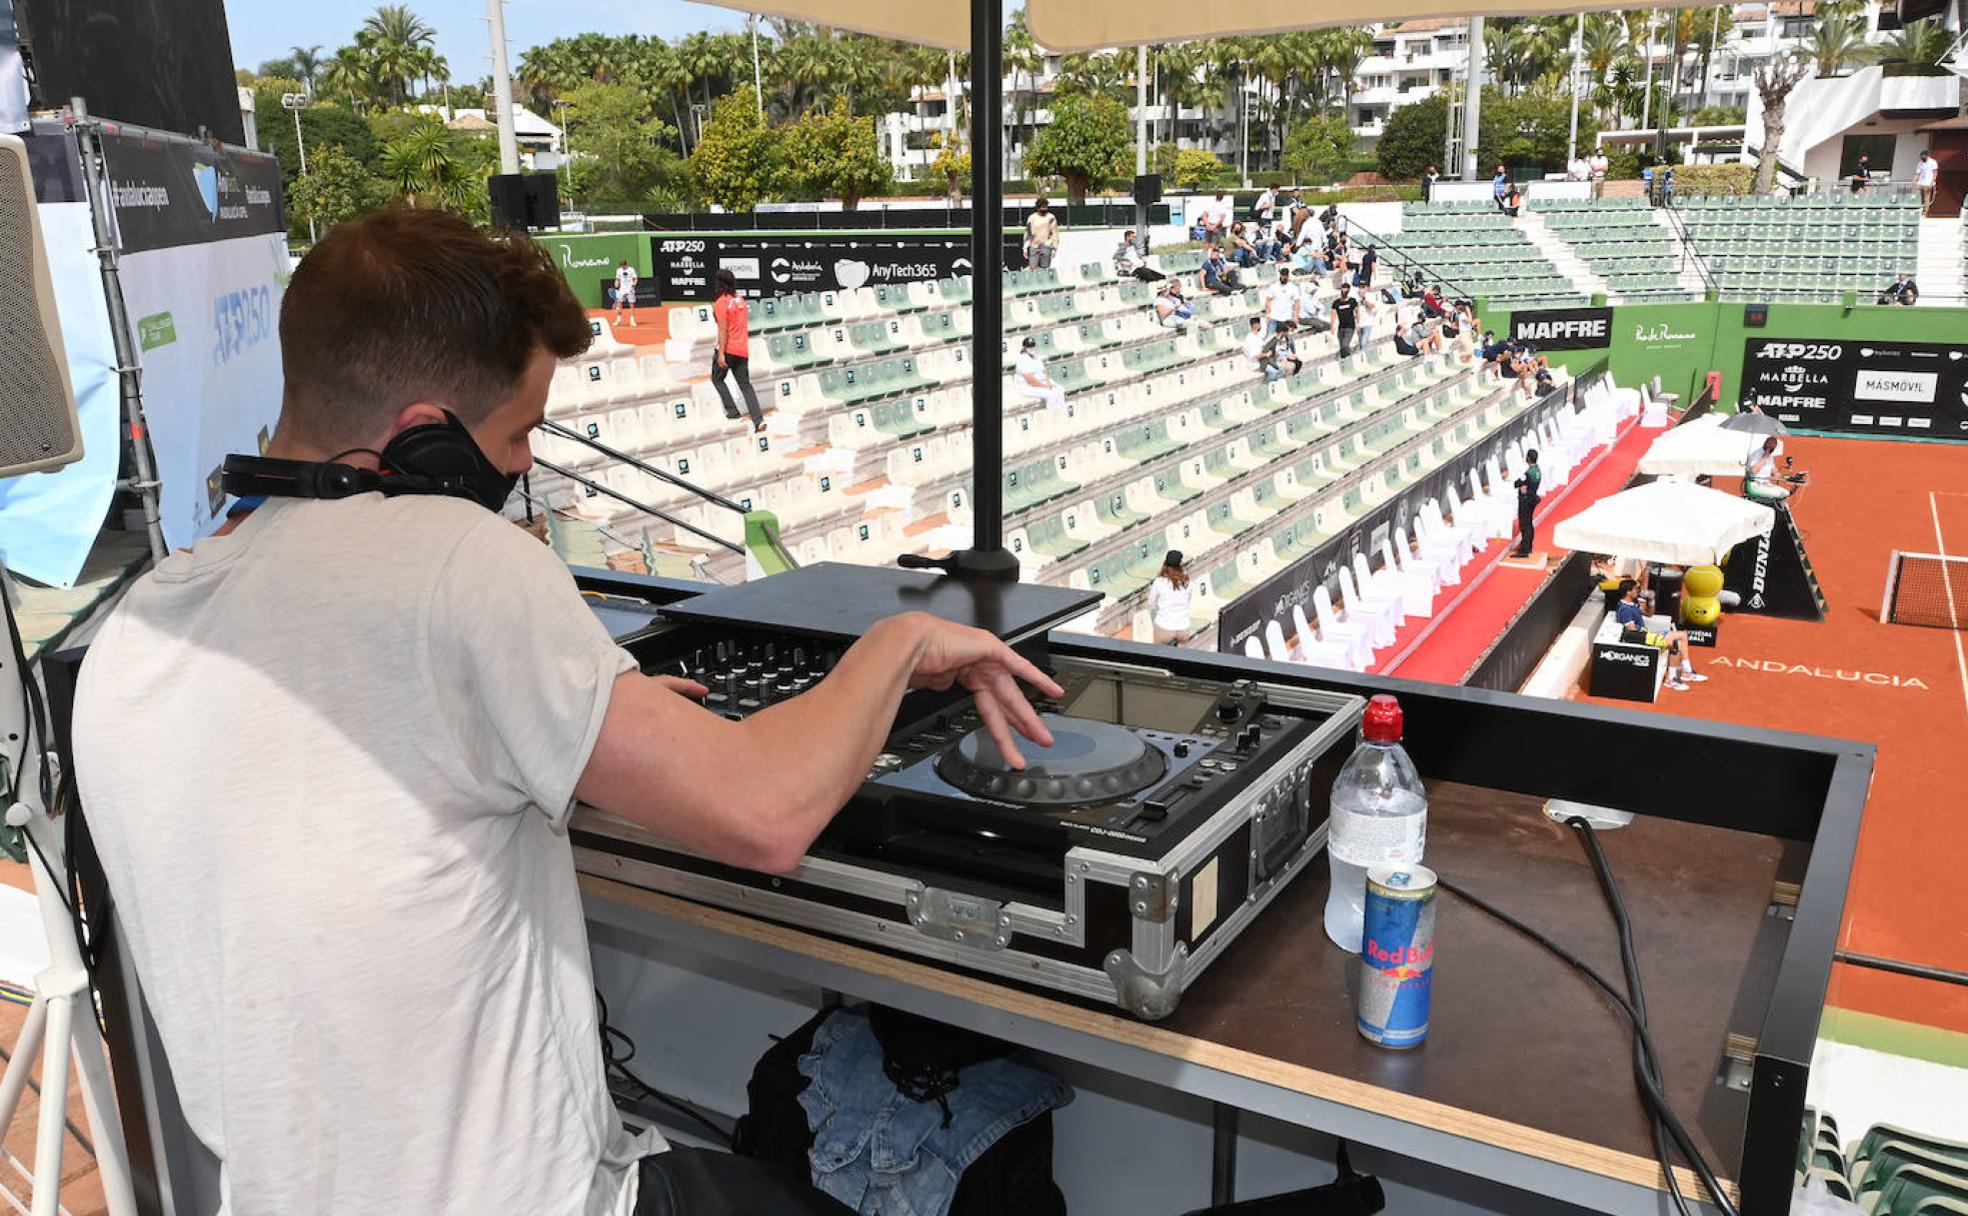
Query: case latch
point(952, 916)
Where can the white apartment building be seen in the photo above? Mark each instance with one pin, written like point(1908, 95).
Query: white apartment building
point(1411, 62)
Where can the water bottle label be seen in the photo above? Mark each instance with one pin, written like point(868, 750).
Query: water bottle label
point(1376, 840)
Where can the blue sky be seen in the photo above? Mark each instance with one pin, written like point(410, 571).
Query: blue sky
point(267, 29)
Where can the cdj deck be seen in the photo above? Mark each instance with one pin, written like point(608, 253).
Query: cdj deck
point(1115, 866)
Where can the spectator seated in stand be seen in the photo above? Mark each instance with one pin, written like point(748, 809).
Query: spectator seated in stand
point(1171, 309)
point(1431, 302)
point(1218, 276)
point(1242, 251)
point(1420, 336)
point(1636, 627)
point(1128, 263)
point(1902, 290)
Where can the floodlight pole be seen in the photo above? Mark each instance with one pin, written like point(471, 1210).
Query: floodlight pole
point(987, 557)
point(495, 18)
point(1578, 47)
point(1472, 101)
point(1140, 142)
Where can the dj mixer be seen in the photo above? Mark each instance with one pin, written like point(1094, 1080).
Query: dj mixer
point(1122, 859)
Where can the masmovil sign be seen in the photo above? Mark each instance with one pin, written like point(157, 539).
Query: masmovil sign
point(589, 262)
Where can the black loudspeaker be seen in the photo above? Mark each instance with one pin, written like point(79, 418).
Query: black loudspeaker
point(1148, 188)
point(38, 429)
point(523, 201)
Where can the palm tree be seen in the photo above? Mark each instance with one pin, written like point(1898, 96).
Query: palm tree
point(1834, 44)
point(395, 35)
point(351, 72)
point(1923, 44)
point(1021, 54)
point(308, 62)
point(1345, 50)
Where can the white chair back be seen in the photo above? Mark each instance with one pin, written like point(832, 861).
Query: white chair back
point(1253, 648)
point(1322, 606)
point(1305, 635)
point(1348, 590)
point(1274, 637)
point(1389, 557)
point(1402, 547)
point(1363, 574)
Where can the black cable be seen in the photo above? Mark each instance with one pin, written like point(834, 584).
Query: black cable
point(619, 1065)
point(1650, 1091)
point(1630, 961)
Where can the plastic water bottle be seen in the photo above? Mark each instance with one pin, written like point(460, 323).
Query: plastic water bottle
point(1379, 818)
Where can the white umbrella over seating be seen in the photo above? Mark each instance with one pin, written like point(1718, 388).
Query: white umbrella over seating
point(1703, 446)
point(1675, 522)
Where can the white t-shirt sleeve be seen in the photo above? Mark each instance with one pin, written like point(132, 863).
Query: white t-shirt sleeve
point(520, 668)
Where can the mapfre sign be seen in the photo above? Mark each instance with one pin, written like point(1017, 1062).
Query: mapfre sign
point(1564, 328)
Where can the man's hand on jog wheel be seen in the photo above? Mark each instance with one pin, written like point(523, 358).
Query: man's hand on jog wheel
point(949, 654)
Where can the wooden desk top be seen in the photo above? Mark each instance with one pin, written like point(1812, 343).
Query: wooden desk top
point(1522, 1053)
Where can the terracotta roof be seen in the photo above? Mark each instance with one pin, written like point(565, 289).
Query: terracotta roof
point(470, 122)
point(1421, 26)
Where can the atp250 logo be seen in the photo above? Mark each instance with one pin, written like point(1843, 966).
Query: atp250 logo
point(1801, 350)
point(241, 320)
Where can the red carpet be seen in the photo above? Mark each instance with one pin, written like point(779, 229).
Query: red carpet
point(1470, 616)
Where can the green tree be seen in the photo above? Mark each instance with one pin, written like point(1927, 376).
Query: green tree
point(951, 167)
point(833, 154)
point(738, 161)
point(1922, 45)
point(612, 126)
point(1087, 140)
point(1321, 149)
point(1837, 43)
point(323, 125)
point(1194, 168)
point(1717, 116)
point(337, 187)
point(1412, 139)
point(1527, 131)
point(392, 36)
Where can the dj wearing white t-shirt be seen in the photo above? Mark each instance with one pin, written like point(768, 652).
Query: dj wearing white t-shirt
point(328, 756)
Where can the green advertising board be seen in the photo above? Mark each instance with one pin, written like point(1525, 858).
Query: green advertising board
point(1683, 341)
point(589, 261)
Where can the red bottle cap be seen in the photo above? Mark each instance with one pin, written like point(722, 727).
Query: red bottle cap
point(1382, 723)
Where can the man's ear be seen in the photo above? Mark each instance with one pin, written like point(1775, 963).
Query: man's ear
point(417, 413)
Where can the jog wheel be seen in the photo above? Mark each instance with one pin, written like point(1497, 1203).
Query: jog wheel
point(1087, 762)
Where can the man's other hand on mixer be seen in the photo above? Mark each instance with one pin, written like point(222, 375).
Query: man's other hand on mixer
point(755, 793)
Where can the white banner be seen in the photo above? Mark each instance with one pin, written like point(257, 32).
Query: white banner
point(206, 321)
point(49, 521)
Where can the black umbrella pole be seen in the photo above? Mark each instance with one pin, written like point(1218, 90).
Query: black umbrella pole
point(987, 557)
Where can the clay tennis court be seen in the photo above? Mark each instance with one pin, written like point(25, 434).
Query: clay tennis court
point(1902, 687)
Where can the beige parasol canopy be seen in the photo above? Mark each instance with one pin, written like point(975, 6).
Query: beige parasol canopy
point(1087, 25)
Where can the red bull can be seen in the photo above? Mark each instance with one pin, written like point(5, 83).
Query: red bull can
point(1397, 955)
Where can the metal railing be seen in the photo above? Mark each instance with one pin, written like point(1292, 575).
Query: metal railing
point(1687, 252)
point(710, 496)
point(1386, 247)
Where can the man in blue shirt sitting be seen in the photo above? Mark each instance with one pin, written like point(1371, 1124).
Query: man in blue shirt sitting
point(1637, 626)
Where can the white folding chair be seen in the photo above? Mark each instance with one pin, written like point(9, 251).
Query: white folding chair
point(1253, 648)
point(1319, 653)
point(1274, 641)
point(1416, 588)
point(1381, 613)
point(1356, 636)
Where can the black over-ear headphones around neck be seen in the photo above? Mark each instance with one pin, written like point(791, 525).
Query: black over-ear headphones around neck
point(435, 458)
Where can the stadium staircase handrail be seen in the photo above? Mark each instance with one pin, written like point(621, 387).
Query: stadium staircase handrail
point(1690, 252)
point(762, 540)
point(1457, 290)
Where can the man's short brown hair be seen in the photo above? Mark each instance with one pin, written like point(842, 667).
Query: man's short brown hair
point(411, 305)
